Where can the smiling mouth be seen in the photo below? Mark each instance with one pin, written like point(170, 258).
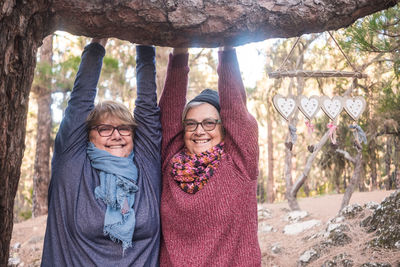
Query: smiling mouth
point(115, 146)
point(201, 141)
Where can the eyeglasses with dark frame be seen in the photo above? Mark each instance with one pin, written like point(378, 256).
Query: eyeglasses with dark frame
point(106, 130)
point(207, 124)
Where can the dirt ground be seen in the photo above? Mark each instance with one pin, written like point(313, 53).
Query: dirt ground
point(27, 238)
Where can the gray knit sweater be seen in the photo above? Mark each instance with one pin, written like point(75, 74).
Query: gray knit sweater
point(74, 234)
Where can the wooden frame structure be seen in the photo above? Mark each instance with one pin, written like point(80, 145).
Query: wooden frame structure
point(283, 73)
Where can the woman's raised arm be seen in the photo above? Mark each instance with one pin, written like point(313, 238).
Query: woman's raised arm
point(73, 126)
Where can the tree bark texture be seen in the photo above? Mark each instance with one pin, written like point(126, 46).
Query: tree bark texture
point(207, 23)
point(21, 25)
point(42, 92)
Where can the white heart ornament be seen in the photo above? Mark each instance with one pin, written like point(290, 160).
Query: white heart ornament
point(309, 106)
point(284, 105)
point(354, 106)
point(331, 107)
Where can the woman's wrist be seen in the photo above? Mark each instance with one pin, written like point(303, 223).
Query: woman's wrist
point(102, 41)
point(179, 50)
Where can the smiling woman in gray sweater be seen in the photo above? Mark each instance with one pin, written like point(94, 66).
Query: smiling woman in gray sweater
point(104, 194)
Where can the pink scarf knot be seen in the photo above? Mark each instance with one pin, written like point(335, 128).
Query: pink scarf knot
point(192, 171)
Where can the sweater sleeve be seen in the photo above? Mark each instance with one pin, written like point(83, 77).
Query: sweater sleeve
point(172, 103)
point(241, 130)
point(73, 126)
point(147, 113)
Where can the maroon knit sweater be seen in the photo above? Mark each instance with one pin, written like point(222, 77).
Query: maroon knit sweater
point(217, 226)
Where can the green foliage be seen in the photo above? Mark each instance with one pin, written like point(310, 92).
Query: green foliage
point(375, 33)
point(110, 64)
point(43, 72)
point(396, 67)
point(378, 32)
point(389, 103)
point(64, 73)
point(26, 214)
point(70, 64)
point(29, 196)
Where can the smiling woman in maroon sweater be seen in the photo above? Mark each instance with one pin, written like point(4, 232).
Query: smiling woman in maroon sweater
point(210, 168)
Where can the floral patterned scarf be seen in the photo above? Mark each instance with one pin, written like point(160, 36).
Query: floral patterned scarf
point(192, 171)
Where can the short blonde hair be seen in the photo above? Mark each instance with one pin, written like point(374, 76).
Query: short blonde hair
point(108, 109)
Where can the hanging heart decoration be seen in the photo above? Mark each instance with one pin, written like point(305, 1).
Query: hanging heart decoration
point(309, 106)
point(331, 107)
point(354, 106)
point(284, 105)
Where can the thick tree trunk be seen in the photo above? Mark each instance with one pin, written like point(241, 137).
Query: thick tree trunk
point(207, 23)
point(21, 26)
point(42, 91)
point(270, 144)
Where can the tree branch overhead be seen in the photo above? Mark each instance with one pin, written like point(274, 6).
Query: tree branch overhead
point(207, 23)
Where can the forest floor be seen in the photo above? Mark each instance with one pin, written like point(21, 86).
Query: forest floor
point(27, 237)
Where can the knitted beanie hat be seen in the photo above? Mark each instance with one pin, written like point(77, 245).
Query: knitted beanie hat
point(209, 96)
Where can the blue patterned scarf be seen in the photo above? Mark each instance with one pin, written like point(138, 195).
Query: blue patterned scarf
point(118, 177)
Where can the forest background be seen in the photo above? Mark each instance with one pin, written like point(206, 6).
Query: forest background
point(372, 45)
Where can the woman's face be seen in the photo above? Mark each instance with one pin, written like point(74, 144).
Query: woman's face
point(200, 140)
point(115, 144)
